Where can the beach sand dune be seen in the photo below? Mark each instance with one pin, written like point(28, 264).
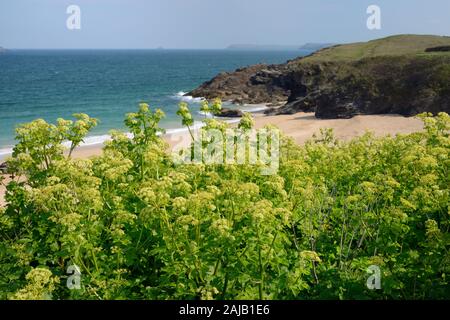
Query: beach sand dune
point(301, 127)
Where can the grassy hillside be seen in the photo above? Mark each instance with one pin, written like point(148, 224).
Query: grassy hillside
point(390, 46)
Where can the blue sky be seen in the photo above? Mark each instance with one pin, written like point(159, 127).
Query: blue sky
point(211, 23)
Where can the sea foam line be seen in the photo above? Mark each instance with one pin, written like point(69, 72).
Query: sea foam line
point(101, 139)
point(181, 96)
point(90, 141)
point(253, 108)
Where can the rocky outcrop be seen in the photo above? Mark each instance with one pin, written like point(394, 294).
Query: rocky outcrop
point(229, 113)
point(438, 49)
point(343, 87)
point(246, 85)
point(3, 167)
point(406, 85)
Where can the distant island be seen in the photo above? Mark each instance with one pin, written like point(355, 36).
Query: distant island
point(2, 50)
point(403, 74)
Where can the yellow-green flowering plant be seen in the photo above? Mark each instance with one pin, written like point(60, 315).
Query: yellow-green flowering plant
point(138, 226)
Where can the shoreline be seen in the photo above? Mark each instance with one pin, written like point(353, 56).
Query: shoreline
point(97, 141)
point(300, 126)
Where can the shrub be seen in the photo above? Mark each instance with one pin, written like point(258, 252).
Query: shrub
point(140, 227)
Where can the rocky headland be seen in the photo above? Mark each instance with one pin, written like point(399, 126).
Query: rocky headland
point(406, 74)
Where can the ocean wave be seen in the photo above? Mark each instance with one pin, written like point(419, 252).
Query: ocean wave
point(5, 152)
point(101, 139)
point(207, 114)
point(181, 96)
point(88, 141)
point(92, 140)
point(253, 108)
point(197, 125)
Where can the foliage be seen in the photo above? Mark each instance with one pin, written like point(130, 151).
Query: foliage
point(141, 227)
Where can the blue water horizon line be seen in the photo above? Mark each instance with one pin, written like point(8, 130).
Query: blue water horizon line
point(153, 49)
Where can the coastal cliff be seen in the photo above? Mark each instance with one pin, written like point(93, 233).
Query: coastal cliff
point(399, 74)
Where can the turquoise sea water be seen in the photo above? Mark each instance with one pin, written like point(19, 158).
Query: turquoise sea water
point(107, 84)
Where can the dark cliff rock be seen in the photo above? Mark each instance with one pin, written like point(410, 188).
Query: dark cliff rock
point(438, 49)
point(384, 76)
point(406, 85)
point(4, 167)
point(246, 85)
point(229, 113)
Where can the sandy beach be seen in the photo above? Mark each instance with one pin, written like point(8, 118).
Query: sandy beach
point(301, 127)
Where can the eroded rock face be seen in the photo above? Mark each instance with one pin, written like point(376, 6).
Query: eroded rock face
point(406, 85)
point(254, 84)
point(383, 85)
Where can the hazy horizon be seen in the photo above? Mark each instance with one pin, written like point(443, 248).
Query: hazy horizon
point(210, 24)
point(287, 47)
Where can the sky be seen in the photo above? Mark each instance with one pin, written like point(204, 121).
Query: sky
point(211, 24)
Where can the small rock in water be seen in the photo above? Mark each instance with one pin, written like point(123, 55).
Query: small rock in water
point(3, 167)
point(229, 113)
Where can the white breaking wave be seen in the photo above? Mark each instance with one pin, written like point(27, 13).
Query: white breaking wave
point(5, 152)
point(101, 139)
point(207, 114)
point(92, 140)
point(253, 108)
point(197, 125)
point(181, 96)
point(88, 141)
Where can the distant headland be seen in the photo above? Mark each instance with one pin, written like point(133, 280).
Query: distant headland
point(270, 47)
point(316, 46)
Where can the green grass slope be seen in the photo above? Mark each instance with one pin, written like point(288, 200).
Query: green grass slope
point(390, 46)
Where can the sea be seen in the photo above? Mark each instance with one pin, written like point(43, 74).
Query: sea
point(107, 84)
